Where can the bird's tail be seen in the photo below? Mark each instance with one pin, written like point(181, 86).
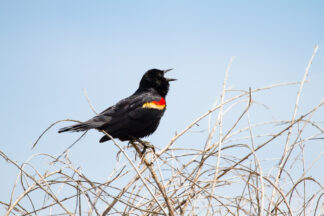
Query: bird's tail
point(76, 128)
point(104, 139)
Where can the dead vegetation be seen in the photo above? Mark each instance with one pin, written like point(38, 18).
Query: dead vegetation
point(226, 177)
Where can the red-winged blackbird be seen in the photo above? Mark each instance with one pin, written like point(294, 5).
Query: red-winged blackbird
point(136, 116)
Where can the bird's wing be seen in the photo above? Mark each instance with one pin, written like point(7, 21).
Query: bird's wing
point(146, 103)
point(122, 110)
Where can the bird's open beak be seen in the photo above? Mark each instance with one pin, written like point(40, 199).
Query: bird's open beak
point(169, 79)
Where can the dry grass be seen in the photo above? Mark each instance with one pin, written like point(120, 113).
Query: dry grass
point(226, 177)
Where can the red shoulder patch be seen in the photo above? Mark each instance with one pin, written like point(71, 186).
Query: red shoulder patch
point(161, 102)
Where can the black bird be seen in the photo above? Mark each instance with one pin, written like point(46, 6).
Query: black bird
point(136, 116)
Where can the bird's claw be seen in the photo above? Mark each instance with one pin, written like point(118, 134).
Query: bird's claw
point(145, 145)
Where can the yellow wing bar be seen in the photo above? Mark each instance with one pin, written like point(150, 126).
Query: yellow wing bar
point(153, 105)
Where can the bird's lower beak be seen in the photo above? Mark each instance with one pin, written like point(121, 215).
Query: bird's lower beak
point(170, 79)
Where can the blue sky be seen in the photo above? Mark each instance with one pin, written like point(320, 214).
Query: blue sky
point(50, 50)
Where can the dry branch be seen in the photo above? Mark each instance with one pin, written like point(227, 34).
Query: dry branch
point(226, 175)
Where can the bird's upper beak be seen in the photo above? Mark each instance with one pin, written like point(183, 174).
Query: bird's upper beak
point(169, 79)
point(167, 70)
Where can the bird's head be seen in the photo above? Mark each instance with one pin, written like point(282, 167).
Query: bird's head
point(155, 79)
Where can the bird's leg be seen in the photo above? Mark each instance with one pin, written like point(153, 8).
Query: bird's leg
point(135, 146)
point(145, 145)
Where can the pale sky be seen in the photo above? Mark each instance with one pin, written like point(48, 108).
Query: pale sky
point(51, 50)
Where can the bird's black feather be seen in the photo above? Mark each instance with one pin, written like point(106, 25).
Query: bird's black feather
point(130, 118)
